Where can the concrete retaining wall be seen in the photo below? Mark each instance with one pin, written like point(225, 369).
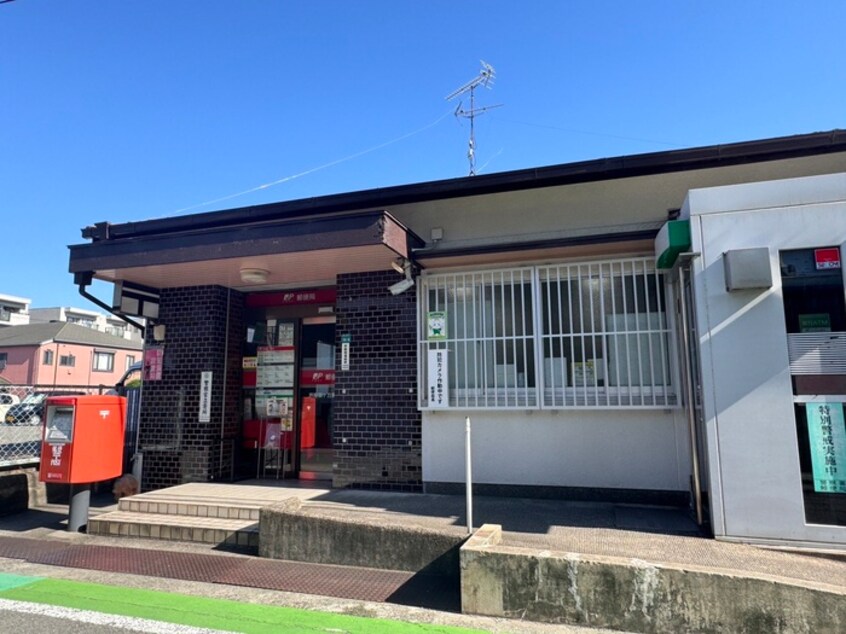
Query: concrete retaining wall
point(16, 489)
point(287, 531)
point(636, 596)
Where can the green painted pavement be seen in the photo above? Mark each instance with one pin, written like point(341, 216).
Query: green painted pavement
point(217, 614)
point(7, 582)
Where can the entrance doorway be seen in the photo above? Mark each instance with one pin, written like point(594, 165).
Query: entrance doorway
point(289, 380)
point(315, 394)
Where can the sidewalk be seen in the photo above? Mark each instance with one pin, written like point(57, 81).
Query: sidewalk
point(34, 541)
point(35, 544)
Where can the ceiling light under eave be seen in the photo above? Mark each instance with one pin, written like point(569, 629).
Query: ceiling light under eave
point(254, 276)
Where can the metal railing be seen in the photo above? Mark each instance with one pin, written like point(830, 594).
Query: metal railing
point(21, 412)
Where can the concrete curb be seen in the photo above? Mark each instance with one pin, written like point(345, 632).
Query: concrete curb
point(635, 595)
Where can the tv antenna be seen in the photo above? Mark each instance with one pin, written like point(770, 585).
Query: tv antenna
point(485, 78)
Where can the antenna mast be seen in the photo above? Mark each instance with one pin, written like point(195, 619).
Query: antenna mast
point(485, 78)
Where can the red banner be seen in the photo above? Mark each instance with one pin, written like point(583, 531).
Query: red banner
point(292, 298)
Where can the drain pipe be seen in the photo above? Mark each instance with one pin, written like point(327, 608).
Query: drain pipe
point(468, 466)
point(689, 387)
point(84, 279)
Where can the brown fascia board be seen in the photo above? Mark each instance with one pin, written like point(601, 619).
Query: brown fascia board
point(288, 236)
point(585, 171)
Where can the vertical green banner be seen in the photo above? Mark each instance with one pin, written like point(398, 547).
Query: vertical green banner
point(827, 437)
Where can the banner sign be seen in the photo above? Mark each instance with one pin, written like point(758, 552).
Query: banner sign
point(827, 437)
point(438, 379)
point(205, 396)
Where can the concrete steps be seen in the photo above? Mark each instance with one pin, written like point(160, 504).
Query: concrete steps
point(223, 522)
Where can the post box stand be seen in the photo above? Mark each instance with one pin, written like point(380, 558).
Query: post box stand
point(82, 442)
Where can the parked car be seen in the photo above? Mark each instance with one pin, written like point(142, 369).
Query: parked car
point(131, 378)
point(6, 401)
point(30, 409)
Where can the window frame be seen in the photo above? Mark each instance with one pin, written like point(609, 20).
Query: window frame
point(103, 354)
point(48, 358)
point(644, 332)
point(67, 361)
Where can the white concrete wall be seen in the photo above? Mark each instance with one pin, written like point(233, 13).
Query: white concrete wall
point(633, 449)
point(748, 403)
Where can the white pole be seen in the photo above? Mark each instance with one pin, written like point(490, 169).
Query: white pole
point(468, 475)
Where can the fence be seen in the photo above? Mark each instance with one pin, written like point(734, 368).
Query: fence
point(21, 412)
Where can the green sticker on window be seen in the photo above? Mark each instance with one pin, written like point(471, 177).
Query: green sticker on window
point(436, 326)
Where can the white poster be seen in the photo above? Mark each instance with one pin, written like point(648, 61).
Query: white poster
point(438, 380)
point(205, 396)
point(275, 376)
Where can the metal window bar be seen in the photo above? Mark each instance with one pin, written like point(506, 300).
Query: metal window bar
point(580, 335)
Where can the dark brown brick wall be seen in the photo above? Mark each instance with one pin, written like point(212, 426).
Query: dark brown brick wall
point(377, 426)
point(177, 448)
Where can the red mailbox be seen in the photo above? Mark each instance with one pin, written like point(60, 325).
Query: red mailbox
point(82, 439)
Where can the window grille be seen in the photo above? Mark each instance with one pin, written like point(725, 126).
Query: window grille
point(489, 336)
point(67, 360)
point(580, 335)
point(48, 357)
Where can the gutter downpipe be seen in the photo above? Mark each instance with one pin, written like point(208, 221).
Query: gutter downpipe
point(689, 390)
point(84, 279)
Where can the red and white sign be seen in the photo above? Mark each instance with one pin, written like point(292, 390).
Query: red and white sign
point(317, 377)
point(292, 298)
point(827, 259)
point(55, 462)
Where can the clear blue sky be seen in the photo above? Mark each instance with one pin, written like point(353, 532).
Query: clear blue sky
point(137, 109)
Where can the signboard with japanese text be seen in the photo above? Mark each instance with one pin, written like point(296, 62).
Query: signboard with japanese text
point(311, 376)
point(58, 468)
point(292, 298)
point(275, 375)
point(275, 354)
point(827, 437)
point(285, 333)
point(59, 427)
point(346, 338)
point(205, 396)
point(276, 404)
point(438, 384)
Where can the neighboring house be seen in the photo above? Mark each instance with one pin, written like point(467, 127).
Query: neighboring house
point(14, 311)
point(63, 354)
point(108, 324)
point(659, 328)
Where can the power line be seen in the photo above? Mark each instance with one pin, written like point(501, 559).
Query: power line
point(286, 179)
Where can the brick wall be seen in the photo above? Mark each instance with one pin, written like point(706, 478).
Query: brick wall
point(376, 424)
point(177, 448)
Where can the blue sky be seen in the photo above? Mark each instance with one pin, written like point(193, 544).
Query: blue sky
point(138, 109)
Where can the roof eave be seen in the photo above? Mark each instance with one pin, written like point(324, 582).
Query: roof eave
point(569, 173)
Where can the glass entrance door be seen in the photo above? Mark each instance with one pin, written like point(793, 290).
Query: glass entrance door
point(315, 393)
